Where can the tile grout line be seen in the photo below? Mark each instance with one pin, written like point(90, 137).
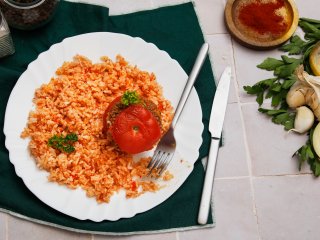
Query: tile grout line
point(248, 157)
point(284, 175)
point(232, 178)
point(264, 176)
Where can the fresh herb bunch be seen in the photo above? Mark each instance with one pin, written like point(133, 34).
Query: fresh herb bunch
point(63, 144)
point(277, 88)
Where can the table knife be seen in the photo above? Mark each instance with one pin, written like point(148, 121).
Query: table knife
point(218, 110)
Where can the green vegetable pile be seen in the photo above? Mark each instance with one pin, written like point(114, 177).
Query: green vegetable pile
point(276, 88)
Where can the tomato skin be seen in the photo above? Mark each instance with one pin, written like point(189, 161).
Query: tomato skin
point(135, 129)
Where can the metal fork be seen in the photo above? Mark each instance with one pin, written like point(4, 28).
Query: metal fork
point(167, 146)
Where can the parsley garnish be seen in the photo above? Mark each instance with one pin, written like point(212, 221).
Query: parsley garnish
point(63, 144)
point(130, 97)
point(277, 87)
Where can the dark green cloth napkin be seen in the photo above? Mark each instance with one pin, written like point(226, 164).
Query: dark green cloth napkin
point(174, 29)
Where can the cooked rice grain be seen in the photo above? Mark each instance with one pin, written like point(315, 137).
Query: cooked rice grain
point(74, 101)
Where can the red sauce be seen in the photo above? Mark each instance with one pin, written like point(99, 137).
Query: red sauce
point(261, 16)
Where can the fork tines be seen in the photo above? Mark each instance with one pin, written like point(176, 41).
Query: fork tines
point(159, 163)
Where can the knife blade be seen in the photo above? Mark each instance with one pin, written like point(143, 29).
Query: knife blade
point(218, 110)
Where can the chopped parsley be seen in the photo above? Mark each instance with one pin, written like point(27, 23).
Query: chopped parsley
point(63, 144)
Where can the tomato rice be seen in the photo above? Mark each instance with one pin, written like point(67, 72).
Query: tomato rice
point(74, 101)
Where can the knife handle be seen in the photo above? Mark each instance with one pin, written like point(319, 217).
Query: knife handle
point(208, 181)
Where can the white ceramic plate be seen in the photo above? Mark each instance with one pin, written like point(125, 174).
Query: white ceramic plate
point(147, 57)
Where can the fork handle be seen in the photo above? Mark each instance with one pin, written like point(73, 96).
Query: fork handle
point(190, 82)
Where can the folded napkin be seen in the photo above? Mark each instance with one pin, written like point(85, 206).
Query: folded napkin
point(174, 29)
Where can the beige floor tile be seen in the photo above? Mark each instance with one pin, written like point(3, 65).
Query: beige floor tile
point(232, 158)
point(221, 54)
point(248, 74)
point(3, 226)
point(308, 9)
point(164, 236)
point(270, 146)
point(211, 15)
point(288, 207)
point(19, 229)
point(235, 218)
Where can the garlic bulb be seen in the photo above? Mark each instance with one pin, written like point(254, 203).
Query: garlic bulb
point(305, 91)
point(304, 120)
